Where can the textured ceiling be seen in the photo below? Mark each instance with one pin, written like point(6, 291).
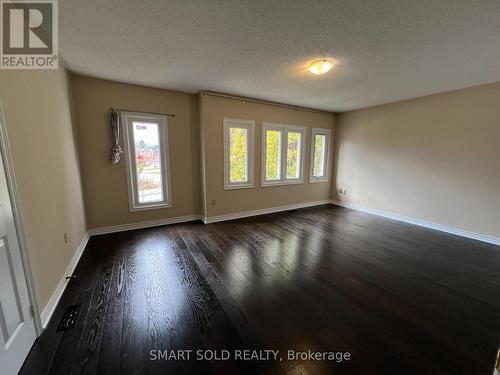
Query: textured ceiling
point(385, 50)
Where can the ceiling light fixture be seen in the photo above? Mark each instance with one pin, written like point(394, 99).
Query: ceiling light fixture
point(320, 67)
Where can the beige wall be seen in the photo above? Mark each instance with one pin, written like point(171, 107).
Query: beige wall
point(212, 111)
point(36, 107)
point(435, 158)
point(104, 185)
point(196, 153)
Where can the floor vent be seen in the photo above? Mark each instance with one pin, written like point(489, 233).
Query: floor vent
point(69, 318)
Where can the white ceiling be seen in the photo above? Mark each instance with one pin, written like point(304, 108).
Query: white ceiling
point(386, 50)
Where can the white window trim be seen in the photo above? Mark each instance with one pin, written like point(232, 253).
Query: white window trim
point(327, 133)
point(284, 128)
point(129, 152)
point(250, 126)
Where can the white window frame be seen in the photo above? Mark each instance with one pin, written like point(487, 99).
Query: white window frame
point(327, 134)
point(129, 151)
point(241, 124)
point(285, 129)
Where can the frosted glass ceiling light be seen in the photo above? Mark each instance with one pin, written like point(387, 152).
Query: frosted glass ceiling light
point(320, 67)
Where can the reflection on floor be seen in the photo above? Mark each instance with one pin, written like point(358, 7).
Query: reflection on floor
point(386, 297)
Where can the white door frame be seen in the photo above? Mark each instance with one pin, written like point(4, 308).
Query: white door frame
point(18, 220)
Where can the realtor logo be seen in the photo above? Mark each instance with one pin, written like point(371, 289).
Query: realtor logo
point(29, 35)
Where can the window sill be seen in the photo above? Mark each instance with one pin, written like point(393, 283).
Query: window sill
point(281, 183)
point(150, 207)
point(315, 181)
point(235, 187)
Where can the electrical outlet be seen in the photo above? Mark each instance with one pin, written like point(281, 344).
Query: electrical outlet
point(65, 237)
point(343, 191)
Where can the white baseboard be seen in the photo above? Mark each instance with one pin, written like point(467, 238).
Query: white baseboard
point(56, 296)
point(422, 223)
point(263, 211)
point(143, 224)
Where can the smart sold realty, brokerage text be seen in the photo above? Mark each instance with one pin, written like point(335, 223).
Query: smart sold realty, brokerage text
point(246, 355)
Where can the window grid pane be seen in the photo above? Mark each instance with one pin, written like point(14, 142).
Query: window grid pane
point(293, 155)
point(148, 162)
point(319, 155)
point(238, 154)
point(273, 155)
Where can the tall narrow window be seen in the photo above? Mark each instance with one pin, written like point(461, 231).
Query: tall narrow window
point(146, 158)
point(238, 153)
point(283, 154)
point(273, 155)
point(293, 148)
point(319, 155)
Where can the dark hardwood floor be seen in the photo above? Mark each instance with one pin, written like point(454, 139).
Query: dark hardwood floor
point(400, 299)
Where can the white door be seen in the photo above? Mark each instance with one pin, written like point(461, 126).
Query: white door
point(17, 329)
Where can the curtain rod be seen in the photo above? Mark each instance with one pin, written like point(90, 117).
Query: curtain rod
point(262, 101)
point(151, 113)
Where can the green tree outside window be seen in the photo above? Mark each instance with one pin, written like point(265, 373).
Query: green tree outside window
point(238, 155)
point(319, 150)
point(293, 155)
point(273, 154)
